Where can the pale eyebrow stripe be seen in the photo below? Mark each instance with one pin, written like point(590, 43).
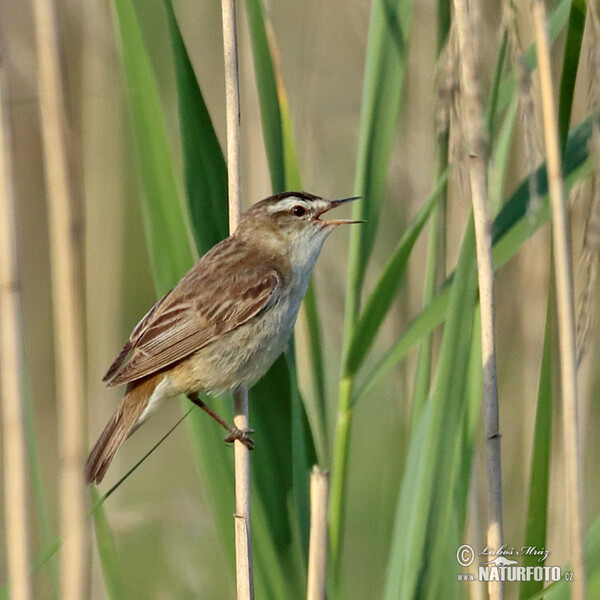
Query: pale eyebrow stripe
point(288, 203)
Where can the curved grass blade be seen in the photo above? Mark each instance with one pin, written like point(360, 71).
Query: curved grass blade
point(569, 68)
point(422, 379)
point(383, 295)
point(472, 423)
point(576, 153)
point(165, 217)
point(111, 565)
point(433, 439)
point(500, 157)
point(492, 105)
point(315, 410)
point(303, 457)
point(382, 96)
point(39, 494)
point(267, 92)
point(452, 517)
point(290, 157)
point(449, 504)
point(435, 268)
point(204, 165)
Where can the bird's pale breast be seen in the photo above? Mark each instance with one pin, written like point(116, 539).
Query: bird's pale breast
point(242, 356)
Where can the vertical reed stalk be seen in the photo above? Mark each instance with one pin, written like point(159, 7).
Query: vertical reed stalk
point(565, 303)
point(317, 548)
point(341, 442)
point(66, 300)
point(435, 269)
point(243, 538)
point(467, 26)
point(13, 427)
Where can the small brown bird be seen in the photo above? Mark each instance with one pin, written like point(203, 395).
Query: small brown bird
point(224, 324)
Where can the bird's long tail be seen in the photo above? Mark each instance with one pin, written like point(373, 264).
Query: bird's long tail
point(122, 423)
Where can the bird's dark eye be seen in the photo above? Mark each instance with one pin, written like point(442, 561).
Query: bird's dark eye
point(298, 211)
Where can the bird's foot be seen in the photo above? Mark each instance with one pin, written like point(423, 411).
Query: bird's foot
point(243, 435)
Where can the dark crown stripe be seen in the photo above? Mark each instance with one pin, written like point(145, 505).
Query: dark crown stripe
point(301, 195)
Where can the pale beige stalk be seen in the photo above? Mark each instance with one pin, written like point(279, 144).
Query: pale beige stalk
point(317, 546)
point(565, 304)
point(67, 302)
point(243, 536)
point(11, 370)
point(467, 26)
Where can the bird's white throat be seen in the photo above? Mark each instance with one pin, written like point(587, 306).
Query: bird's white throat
point(305, 251)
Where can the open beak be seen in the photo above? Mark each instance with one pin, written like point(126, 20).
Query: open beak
point(334, 204)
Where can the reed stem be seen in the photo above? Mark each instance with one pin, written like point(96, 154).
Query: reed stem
point(565, 303)
point(466, 12)
point(65, 250)
point(243, 536)
point(11, 369)
point(317, 549)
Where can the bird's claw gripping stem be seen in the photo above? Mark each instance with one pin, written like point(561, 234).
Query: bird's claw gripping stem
point(235, 433)
point(243, 435)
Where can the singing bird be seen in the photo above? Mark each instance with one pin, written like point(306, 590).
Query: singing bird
point(224, 324)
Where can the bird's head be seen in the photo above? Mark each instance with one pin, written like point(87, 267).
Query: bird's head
point(296, 220)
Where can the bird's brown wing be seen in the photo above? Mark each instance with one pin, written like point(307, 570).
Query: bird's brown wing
point(205, 304)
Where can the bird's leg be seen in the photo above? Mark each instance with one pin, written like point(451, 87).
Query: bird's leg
point(235, 433)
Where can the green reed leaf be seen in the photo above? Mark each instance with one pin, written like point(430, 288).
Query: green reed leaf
point(270, 111)
point(165, 215)
point(204, 165)
point(382, 96)
point(570, 66)
point(384, 293)
point(109, 559)
point(437, 437)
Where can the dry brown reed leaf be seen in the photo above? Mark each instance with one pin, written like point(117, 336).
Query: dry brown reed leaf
point(590, 252)
point(532, 145)
point(450, 113)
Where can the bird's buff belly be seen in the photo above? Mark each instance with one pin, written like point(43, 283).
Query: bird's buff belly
point(238, 358)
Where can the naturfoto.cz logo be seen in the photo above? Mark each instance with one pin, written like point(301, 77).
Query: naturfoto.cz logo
point(503, 568)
